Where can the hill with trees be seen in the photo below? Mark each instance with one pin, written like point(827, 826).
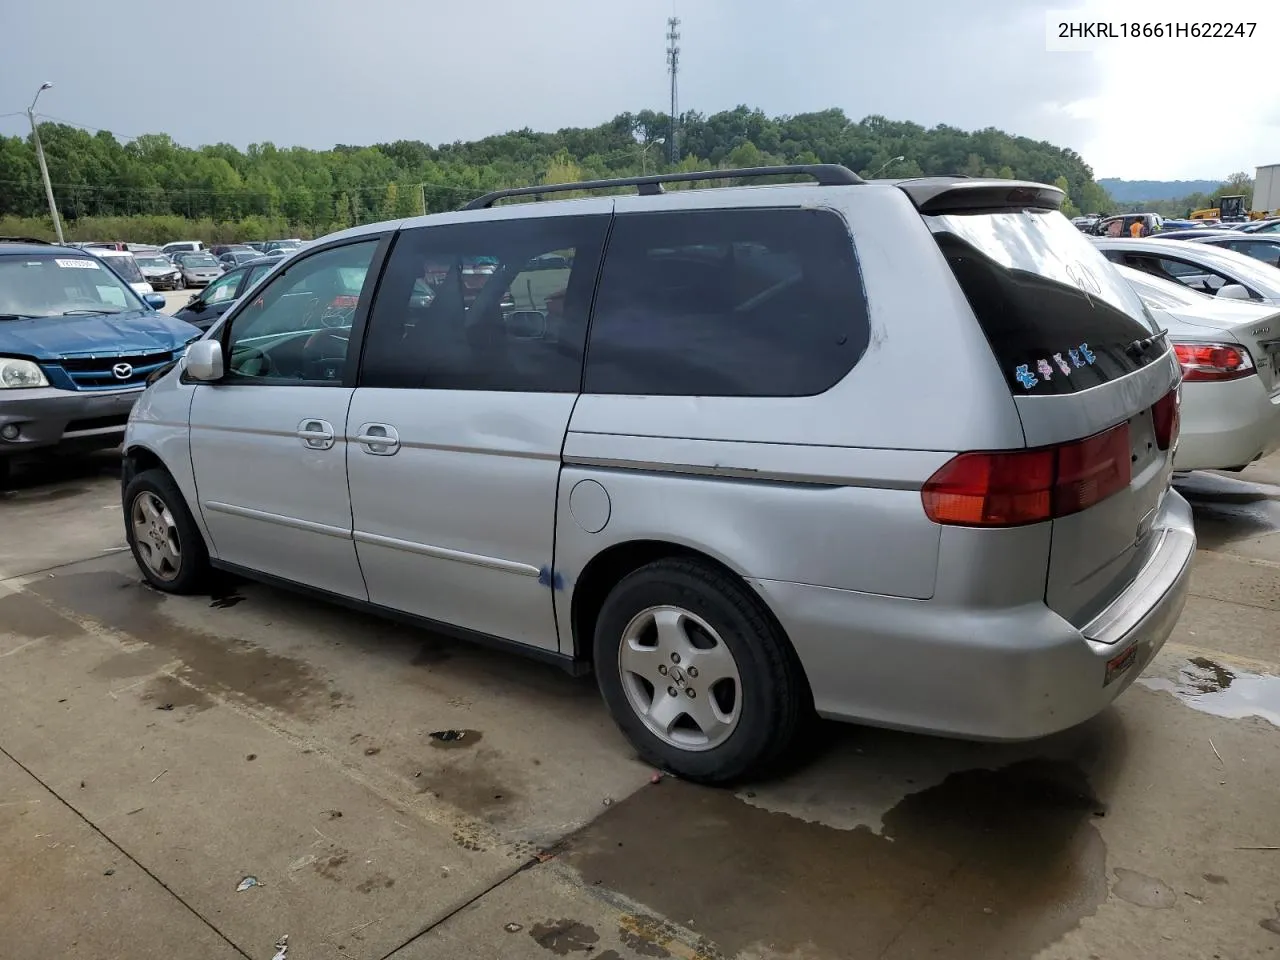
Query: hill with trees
point(1136, 191)
point(152, 189)
point(1238, 184)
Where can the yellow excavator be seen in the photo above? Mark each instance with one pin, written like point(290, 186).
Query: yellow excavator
point(1228, 210)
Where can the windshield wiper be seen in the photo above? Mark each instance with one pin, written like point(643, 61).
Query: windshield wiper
point(86, 312)
point(16, 316)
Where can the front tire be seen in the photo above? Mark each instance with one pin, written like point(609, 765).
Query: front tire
point(163, 536)
point(696, 673)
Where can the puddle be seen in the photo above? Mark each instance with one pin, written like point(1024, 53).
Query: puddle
point(454, 739)
point(228, 665)
point(1212, 688)
point(25, 616)
point(989, 863)
point(1228, 509)
point(1143, 891)
point(46, 495)
point(168, 694)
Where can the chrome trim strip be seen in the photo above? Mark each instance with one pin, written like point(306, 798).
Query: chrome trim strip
point(444, 553)
point(295, 523)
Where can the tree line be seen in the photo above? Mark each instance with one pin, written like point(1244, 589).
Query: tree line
point(158, 188)
point(1238, 184)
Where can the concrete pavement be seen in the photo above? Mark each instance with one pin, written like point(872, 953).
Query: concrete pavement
point(188, 743)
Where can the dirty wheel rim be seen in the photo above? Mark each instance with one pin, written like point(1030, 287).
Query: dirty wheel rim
point(156, 535)
point(680, 678)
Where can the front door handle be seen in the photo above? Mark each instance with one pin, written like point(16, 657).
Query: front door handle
point(379, 439)
point(316, 434)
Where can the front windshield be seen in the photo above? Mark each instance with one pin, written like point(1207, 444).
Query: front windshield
point(127, 267)
point(199, 260)
point(153, 263)
point(52, 286)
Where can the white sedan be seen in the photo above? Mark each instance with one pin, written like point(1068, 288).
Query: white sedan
point(1207, 268)
point(1230, 356)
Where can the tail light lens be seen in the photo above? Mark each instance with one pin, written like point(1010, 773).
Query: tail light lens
point(1013, 488)
point(1213, 361)
point(1166, 416)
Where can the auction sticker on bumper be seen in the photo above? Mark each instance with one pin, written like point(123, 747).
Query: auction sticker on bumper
point(1135, 658)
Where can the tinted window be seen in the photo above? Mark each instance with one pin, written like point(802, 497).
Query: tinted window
point(1058, 317)
point(501, 305)
point(727, 303)
point(127, 267)
point(298, 329)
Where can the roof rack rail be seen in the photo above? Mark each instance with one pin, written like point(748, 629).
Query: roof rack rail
point(25, 240)
point(826, 174)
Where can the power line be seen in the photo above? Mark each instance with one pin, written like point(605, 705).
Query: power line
point(85, 126)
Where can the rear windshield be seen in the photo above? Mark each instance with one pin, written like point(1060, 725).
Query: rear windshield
point(1058, 316)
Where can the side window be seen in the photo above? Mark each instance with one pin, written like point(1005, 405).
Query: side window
point(1177, 271)
point(298, 329)
point(729, 303)
point(497, 305)
point(224, 288)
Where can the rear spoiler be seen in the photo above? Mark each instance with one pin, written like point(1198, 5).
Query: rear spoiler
point(938, 195)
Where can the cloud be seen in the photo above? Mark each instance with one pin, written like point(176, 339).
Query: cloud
point(319, 72)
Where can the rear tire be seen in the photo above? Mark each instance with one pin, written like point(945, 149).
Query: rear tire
point(163, 536)
point(696, 673)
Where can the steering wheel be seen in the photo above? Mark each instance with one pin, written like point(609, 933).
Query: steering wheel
point(253, 362)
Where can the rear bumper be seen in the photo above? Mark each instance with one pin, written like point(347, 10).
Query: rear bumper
point(47, 417)
point(992, 674)
point(1226, 425)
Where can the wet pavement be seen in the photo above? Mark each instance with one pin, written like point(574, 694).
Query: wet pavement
point(396, 794)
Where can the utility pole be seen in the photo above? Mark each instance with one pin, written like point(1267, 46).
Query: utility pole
point(673, 67)
point(44, 168)
point(422, 187)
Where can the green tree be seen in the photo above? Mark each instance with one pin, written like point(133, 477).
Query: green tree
point(163, 185)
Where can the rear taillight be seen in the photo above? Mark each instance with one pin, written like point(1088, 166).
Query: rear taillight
point(1015, 487)
point(1166, 417)
point(1213, 361)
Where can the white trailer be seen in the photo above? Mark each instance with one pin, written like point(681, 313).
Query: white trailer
point(1266, 189)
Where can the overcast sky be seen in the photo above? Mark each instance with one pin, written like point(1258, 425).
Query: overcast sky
point(362, 71)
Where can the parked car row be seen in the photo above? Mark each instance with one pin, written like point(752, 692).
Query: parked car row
point(165, 268)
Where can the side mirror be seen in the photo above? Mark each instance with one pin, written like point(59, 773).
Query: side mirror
point(155, 301)
point(1233, 291)
point(526, 324)
point(204, 361)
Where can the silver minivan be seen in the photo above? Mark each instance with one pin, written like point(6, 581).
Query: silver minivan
point(889, 452)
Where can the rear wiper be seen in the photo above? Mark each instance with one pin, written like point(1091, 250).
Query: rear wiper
point(86, 312)
point(1139, 347)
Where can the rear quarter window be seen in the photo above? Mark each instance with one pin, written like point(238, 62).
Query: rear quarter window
point(765, 303)
point(1059, 318)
